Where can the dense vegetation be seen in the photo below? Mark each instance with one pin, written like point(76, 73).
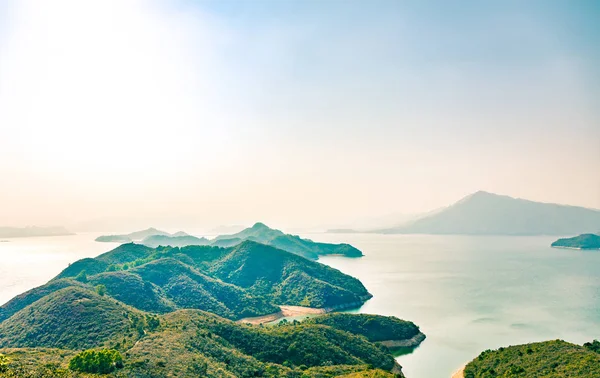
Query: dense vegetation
point(98, 362)
point(373, 327)
point(583, 241)
point(259, 233)
point(190, 343)
point(71, 318)
point(547, 359)
point(594, 346)
point(135, 312)
point(291, 243)
point(247, 280)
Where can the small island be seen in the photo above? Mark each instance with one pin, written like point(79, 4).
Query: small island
point(583, 241)
point(134, 236)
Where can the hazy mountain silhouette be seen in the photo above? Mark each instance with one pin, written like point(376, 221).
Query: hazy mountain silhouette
point(484, 213)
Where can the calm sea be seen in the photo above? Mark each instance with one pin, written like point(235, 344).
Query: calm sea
point(471, 293)
point(466, 293)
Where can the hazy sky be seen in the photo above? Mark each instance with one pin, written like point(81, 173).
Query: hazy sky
point(293, 113)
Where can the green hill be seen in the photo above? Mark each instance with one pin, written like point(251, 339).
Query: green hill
point(373, 327)
point(25, 299)
point(304, 247)
point(287, 278)
point(112, 301)
point(190, 343)
point(259, 233)
point(70, 318)
point(546, 359)
point(583, 241)
point(247, 280)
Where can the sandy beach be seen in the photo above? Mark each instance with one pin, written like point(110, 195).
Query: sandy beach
point(460, 373)
point(285, 312)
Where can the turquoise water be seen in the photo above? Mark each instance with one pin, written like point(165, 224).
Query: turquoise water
point(471, 293)
point(466, 293)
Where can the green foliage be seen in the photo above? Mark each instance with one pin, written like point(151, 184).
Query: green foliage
point(100, 290)
point(583, 241)
point(594, 346)
point(81, 277)
point(98, 362)
point(291, 243)
point(547, 359)
point(72, 317)
point(233, 282)
point(23, 300)
point(239, 282)
point(373, 327)
point(4, 361)
point(287, 278)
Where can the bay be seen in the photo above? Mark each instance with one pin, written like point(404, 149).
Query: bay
point(472, 293)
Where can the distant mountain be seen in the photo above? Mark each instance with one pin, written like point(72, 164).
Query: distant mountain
point(174, 241)
point(583, 241)
point(291, 243)
point(180, 233)
point(25, 232)
point(228, 229)
point(259, 233)
point(133, 236)
point(485, 213)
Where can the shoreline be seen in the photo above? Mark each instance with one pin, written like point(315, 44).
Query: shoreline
point(460, 373)
point(414, 341)
point(285, 312)
point(575, 248)
point(290, 311)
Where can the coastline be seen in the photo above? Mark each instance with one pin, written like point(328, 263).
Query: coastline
point(407, 343)
point(285, 312)
point(576, 248)
point(289, 311)
point(460, 373)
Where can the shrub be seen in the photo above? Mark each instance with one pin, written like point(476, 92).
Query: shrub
point(98, 362)
point(101, 290)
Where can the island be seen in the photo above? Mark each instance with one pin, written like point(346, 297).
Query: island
point(133, 236)
point(180, 239)
point(292, 243)
point(33, 231)
point(555, 358)
point(259, 232)
point(583, 241)
point(138, 311)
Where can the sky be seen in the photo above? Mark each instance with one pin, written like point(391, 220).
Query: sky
point(295, 113)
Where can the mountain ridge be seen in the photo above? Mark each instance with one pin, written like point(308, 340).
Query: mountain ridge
point(485, 213)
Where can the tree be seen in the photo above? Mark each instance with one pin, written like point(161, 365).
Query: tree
point(82, 276)
point(101, 290)
point(97, 362)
